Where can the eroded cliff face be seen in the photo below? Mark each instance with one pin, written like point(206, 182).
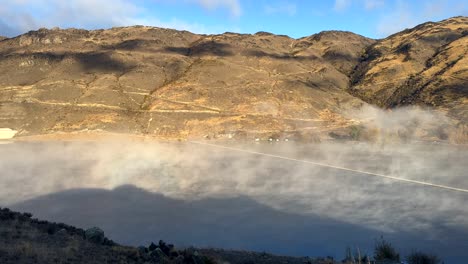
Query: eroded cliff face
point(176, 84)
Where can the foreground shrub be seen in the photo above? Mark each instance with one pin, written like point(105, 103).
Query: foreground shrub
point(422, 258)
point(384, 251)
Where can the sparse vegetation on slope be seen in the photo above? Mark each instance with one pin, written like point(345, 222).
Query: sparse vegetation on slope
point(425, 65)
point(176, 84)
point(28, 240)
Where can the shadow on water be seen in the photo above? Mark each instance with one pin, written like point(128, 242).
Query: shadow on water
point(188, 194)
point(133, 216)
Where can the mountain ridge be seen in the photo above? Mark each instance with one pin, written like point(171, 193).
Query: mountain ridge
point(412, 56)
point(177, 84)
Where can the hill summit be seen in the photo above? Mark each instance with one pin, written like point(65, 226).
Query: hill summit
point(176, 84)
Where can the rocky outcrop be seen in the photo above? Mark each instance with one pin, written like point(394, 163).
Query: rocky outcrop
point(425, 65)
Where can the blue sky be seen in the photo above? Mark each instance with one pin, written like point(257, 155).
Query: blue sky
point(296, 18)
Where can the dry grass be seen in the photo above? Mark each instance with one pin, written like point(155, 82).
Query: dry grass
point(459, 135)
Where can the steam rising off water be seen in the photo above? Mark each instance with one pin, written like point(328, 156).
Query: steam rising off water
point(43, 178)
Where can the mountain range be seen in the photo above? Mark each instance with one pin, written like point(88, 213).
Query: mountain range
point(173, 84)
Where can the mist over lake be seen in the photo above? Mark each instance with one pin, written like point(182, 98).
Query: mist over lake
point(205, 196)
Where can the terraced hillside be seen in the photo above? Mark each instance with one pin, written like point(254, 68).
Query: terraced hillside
point(175, 84)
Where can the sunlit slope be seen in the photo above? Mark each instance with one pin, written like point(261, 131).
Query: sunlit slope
point(171, 83)
point(176, 84)
point(425, 65)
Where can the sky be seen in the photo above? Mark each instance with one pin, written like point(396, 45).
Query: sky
point(295, 18)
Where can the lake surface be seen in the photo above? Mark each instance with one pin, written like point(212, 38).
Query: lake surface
point(205, 196)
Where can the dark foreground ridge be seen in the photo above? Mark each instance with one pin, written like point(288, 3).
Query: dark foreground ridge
point(28, 240)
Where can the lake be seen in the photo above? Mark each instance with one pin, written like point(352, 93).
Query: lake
point(205, 196)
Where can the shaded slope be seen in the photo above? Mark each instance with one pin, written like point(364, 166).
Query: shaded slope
point(341, 48)
point(28, 240)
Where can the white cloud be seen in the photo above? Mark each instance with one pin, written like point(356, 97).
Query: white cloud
point(281, 8)
point(20, 16)
point(439, 8)
point(403, 16)
point(233, 6)
point(178, 24)
point(373, 4)
point(397, 20)
point(341, 5)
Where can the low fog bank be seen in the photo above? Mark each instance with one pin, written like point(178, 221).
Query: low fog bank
point(191, 171)
point(204, 190)
point(407, 124)
point(247, 191)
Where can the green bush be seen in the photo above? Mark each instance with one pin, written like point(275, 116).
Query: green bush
point(356, 132)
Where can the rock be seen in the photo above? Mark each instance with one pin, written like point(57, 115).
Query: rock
point(95, 234)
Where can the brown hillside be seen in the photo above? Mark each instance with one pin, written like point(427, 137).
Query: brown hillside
point(424, 65)
point(341, 48)
point(169, 83)
point(176, 84)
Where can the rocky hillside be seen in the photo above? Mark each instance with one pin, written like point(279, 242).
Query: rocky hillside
point(424, 65)
point(175, 84)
